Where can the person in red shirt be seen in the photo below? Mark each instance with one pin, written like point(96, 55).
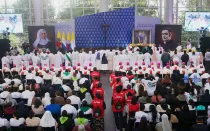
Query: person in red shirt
point(94, 84)
point(98, 106)
point(130, 75)
point(113, 80)
point(95, 73)
point(99, 90)
point(9, 109)
point(156, 98)
point(116, 84)
point(118, 105)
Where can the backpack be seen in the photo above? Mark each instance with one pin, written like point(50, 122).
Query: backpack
point(118, 105)
point(97, 111)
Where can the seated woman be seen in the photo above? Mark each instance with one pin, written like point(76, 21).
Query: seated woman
point(66, 121)
point(32, 121)
point(88, 98)
point(85, 108)
point(143, 125)
point(48, 122)
point(9, 99)
point(153, 115)
point(162, 107)
point(22, 110)
point(164, 125)
point(166, 80)
point(3, 122)
point(143, 98)
point(9, 109)
point(191, 105)
point(46, 99)
point(81, 123)
point(172, 117)
point(37, 107)
point(16, 121)
point(156, 98)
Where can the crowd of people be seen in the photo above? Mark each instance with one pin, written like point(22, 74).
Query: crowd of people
point(152, 89)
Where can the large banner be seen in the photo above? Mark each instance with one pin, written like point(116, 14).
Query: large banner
point(145, 25)
point(42, 37)
point(12, 22)
point(168, 36)
point(65, 32)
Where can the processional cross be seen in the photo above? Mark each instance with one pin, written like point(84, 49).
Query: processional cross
point(105, 26)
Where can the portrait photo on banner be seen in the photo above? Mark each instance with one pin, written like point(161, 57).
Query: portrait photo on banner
point(42, 37)
point(142, 36)
point(168, 36)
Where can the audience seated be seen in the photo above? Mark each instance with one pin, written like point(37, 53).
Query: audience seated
point(32, 121)
point(16, 120)
point(66, 121)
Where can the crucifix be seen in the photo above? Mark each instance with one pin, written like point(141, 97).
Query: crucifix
point(105, 26)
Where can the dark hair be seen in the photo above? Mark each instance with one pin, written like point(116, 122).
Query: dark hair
point(64, 113)
point(141, 90)
point(191, 102)
point(68, 101)
point(118, 89)
point(99, 84)
point(39, 128)
point(81, 114)
point(168, 112)
point(84, 103)
point(37, 103)
point(58, 93)
point(143, 126)
point(145, 94)
point(52, 101)
point(16, 114)
point(31, 114)
point(185, 108)
point(134, 100)
point(98, 95)
point(118, 80)
point(142, 107)
point(206, 92)
point(154, 112)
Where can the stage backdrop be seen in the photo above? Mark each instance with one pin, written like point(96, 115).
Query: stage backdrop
point(42, 37)
point(90, 31)
point(168, 36)
point(145, 23)
point(66, 32)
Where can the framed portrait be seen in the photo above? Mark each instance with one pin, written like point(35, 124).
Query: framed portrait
point(42, 37)
point(142, 36)
point(168, 36)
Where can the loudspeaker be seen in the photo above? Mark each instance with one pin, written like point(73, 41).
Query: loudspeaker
point(4, 46)
point(204, 42)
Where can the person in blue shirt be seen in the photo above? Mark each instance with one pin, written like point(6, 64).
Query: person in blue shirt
point(55, 109)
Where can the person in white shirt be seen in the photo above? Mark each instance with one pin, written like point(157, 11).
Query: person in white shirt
point(207, 85)
point(16, 121)
point(30, 75)
point(58, 59)
point(15, 94)
point(35, 59)
point(3, 121)
point(75, 100)
point(5, 60)
point(27, 94)
point(69, 108)
point(56, 80)
point(140, 114)
point(4, 94)
point(38, 79)
point(17, 60)
point(17, 81)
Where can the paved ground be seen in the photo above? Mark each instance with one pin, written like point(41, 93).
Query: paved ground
point(109, 117)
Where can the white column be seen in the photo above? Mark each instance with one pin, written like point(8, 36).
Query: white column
point(168, 12)
point(104, 6)
point(38, 12)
